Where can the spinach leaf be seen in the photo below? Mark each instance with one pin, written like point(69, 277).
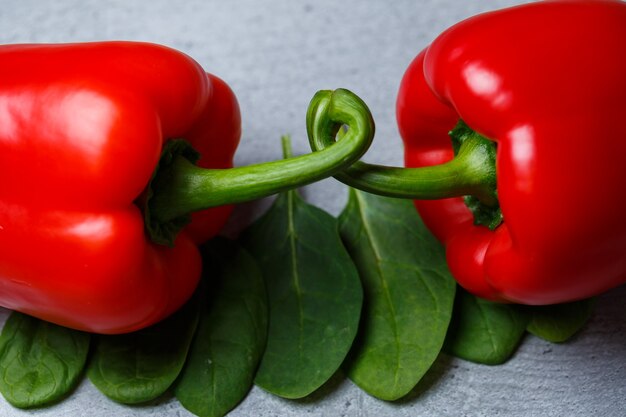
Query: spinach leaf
point(40, 362)
point(314, 296)
point(140, 366)
point(483, 331)
point(409, 294)
point(557, 323)
point(231, 334)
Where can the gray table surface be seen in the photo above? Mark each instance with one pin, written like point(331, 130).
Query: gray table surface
point(276, 55)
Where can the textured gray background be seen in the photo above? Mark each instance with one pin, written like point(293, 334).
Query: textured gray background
point(275, 55)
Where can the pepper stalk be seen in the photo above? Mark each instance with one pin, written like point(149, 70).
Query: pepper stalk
point(179, 187)
point(470, 174)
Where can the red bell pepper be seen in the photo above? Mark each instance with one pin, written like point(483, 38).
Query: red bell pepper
point(546, 84)
point(82, 128)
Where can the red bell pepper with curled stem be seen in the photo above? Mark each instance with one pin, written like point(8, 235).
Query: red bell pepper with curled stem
point(82, 129)
point(546, 83)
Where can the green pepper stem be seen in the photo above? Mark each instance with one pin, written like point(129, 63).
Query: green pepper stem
point(471, 172)
point(180, 187)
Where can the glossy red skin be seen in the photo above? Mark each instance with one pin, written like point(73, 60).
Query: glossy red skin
point(547, 82)
point(81, 130)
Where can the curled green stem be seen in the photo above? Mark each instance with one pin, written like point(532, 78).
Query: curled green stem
point(179, 187)
point(472, 172)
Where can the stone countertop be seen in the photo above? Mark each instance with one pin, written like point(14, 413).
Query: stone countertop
point(276, 55)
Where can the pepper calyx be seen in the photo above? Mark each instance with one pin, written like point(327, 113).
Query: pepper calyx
point(485, 208)
point(165, 232)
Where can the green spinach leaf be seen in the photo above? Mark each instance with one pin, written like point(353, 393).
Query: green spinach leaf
point(314, 296)
point(559, 322)
point(231, 334)
point(140, 366)
point(409, 294)
point(483, 331)
point(40, 362)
